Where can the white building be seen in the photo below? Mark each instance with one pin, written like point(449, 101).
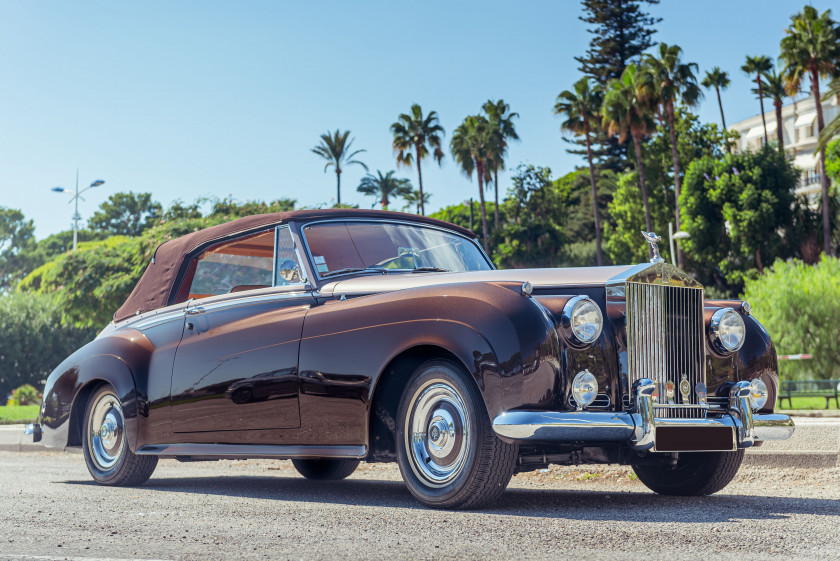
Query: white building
point(799, 130)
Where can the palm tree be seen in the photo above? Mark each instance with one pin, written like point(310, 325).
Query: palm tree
point(811, 47)
point(628, 110)
point(773, 86)
point(582, 110)
point(414, 136)
point(501, 121)
point(384, 187)
point(759, 66)
point(336, 150)
point(673, 80)
point(719, 80)
point(413, 199)
point(472, 147)
point(832, 129)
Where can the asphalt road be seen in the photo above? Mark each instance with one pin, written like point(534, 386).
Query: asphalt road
point(50, 509)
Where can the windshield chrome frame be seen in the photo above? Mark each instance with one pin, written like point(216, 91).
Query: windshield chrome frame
point(303, 225)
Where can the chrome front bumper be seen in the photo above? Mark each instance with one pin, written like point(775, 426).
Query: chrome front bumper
point(638, 428)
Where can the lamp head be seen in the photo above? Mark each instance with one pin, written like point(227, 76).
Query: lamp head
point(57, 189)
point(97, 183)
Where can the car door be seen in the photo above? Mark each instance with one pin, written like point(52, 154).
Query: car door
point(235, 369)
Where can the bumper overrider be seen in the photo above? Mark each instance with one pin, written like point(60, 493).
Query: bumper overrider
point(721, 429)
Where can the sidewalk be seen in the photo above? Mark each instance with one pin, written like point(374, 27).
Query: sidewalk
point(814, 444)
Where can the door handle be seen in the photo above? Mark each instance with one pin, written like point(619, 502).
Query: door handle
point(194, 311)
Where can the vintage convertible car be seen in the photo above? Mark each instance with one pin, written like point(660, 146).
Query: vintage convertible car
point(333, 336)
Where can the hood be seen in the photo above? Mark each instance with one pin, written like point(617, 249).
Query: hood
point(539, 278)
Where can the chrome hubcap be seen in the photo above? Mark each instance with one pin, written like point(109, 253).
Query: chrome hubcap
point(437, 434)
point(106, 435)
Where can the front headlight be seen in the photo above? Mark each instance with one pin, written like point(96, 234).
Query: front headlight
point(727, 330)
point(758, 394)
point(582, 318)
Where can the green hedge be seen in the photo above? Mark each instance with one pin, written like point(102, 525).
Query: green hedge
point(34, 340)
point(799, 305)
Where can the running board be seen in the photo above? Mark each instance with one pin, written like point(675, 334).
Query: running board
point(278, 451)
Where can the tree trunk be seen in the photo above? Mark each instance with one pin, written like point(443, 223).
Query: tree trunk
point(594, 194)
point(758, 262)
point(815, 89)
point(637, 143)
point(479, 167)
point(780, 133)
point(496, 187)
point(761, 102)
point(720, 104)
point(420, 182)
point(673, 134)
point(338, 184)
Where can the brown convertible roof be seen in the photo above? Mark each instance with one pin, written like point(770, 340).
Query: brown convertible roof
point(155, 287)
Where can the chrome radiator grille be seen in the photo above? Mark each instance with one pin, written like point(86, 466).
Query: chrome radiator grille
point(665, 342)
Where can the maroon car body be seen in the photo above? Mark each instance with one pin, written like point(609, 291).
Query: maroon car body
point(263, 338)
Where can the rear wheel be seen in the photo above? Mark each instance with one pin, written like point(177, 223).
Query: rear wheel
point(696, 473)
point(107, 455)
point(448, 454)
point(326, 468)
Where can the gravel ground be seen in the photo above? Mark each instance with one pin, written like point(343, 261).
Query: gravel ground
point(262, 509)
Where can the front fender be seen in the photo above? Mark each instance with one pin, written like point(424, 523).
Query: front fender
point(104, 360)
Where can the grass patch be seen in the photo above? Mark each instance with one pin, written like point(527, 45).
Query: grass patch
point(807, 403)
point(17, 414)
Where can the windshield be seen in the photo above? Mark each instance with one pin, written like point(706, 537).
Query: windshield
point(337, 247)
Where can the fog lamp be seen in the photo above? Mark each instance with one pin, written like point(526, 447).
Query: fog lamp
point(584, 388)
point(758, 394)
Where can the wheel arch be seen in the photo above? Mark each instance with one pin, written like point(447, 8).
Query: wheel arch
point(388, 390)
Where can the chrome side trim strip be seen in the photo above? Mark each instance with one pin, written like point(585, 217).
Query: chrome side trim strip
point(772, 426)
point(253, 450)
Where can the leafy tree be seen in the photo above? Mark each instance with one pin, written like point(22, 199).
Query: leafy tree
point(719, 80)
point(531, 235)
point(673, 81)
point(126, 214)
point(336, 150)
point(414, 136)
point(759, 66)
point(581, 110)
point(627, 110)
point(179, 211)
point(384, 187)
point(16, 237)
point(621, 31)
point(811, 47)
point(229, 209)
point(472, 147)
point(799, 304)
point(575, 214)
point(466, 217)
point(773, 87)
point(741, 213)
point(501, 123)
point(34, 339)
point(624, 243)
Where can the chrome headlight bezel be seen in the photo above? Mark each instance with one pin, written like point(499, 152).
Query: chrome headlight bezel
point(572, 312)
point(721, 331)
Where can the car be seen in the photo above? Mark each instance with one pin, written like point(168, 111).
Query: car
point(331, 337)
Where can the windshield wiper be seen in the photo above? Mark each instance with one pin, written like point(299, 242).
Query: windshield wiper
point(429, 270)
point(348, 270)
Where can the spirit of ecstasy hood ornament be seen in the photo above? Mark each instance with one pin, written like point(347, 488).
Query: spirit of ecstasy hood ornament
point(653, 239)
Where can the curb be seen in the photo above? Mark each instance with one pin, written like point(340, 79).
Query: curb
point(805, 459)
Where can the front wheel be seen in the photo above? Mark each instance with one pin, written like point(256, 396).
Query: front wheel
point(107, 455)
point(448, 454)
point(696, 473)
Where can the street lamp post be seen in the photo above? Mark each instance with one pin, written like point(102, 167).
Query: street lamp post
point(95, 183)
point(672, 235)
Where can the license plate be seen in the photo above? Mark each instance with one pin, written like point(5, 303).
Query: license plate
point(695, 439)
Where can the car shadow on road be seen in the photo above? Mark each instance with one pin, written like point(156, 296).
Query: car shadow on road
point(535, 503)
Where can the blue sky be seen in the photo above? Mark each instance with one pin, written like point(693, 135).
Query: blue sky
point(189, 99)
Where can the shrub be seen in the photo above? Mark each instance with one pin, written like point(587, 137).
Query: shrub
point(25, 395)
point(34, 340)
point(799, 305)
